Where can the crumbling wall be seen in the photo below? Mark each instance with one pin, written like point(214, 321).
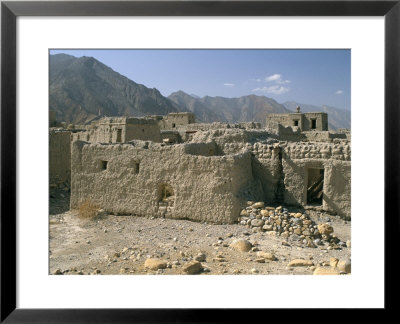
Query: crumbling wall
point(142, 129)
point(298, 158)
point(121, 130)
point(59, 157)
point(174, 120)
point(323, 136)
point(129, 178)
point(170, 137)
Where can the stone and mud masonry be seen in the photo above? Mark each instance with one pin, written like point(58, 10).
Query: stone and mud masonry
point(265, 240)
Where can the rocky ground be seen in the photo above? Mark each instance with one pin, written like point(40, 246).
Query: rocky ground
point(132, 245)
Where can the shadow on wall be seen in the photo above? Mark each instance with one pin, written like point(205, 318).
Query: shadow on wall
point(331, 206)
point(289, 198)
point(269, 176)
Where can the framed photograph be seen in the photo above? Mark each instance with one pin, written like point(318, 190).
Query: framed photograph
point(146, 92)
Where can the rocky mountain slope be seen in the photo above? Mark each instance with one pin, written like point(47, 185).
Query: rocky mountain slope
point(231, 110)
point(83, 88)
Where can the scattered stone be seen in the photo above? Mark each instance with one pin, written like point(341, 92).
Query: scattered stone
point(259, 204)
point(155, 264)
point(344, 266)
point(266, 255)
point(201, 257)
point(325, 229)
point(333, 262)
point(241, 245)
point(193, 267)
point(254, 270)
point(57, 272)
point(257, 222)
point(300, 263)
point(348, 244)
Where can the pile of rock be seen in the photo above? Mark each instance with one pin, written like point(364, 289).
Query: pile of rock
point(279, 221)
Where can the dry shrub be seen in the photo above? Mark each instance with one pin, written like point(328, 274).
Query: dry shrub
point(88, 210)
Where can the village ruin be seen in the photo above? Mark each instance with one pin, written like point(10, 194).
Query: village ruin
point(172, 167)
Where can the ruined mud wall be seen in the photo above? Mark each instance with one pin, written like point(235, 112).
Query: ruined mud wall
point(129, 179)
point(282, 167)
point(142, 129)
point(323, 136)
point(59, 157)
point(298, 158)
point(266, 165)
point(121, 130)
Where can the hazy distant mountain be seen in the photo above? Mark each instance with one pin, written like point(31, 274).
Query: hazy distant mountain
point(202, 112)
point(83, 88)
point(337, 118)
point(231, 110)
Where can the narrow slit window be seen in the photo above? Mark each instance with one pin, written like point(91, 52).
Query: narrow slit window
point(136, 167)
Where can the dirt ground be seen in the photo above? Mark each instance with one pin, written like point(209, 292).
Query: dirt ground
point(121, 244)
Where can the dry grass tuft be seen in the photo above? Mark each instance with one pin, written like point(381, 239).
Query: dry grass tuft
point(88, 210)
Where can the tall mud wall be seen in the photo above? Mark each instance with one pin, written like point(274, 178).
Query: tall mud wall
point(131, 178)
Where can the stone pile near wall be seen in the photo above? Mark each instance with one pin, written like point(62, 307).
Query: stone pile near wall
point(279, 221)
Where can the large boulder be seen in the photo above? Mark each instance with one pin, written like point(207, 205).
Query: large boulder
point(241, 245)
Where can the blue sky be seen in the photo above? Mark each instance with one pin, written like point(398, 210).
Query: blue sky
point(317, 77)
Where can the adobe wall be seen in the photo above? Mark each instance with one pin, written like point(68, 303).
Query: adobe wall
point(301, 120)
point(59, 157)
point(121, 130)
point(174, 120)
point(323, 136)
point(297, 158)
point(281, 167)
point(206, 188)
point(266, 165)
point(320, 118)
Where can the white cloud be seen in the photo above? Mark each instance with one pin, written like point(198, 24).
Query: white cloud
point(273, 77)
point(276, 89)
point(277, 78)
point(339, 92)
point(229, 85)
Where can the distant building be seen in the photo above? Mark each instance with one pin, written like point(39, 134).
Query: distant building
point(304, 121)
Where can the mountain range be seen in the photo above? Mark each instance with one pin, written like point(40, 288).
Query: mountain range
point(83, 89)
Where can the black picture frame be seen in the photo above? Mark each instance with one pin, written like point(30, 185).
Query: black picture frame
point(11, 10)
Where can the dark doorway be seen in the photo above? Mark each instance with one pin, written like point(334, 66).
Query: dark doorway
point(315, 186)
point(119, 135)
point(313, 123)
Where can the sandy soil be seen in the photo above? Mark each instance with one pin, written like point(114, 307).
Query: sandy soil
point(121, 244)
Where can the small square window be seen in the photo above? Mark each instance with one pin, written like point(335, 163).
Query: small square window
point(104, 165)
